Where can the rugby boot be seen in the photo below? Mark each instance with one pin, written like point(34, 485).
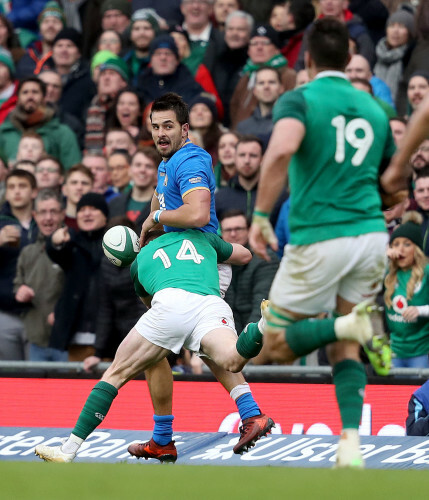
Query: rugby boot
point(150, 449)
point(53, 454)
point(251, 430)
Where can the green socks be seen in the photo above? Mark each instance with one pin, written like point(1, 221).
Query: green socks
point(307, 335)
point(96, 407)
point(350, 380)
point(249, 343)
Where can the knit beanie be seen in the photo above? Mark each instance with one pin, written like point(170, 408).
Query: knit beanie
point(123, 6)
point(405, 17)
point(410, 230)
point(420, 72)
point(117, 64)
point(101, 57)
point(267, 31)
point(6, 59)
point(146, 15)
point(70, 34)
point(163, 42)
point(52, 9)
point(95, 200)
point(208, 99)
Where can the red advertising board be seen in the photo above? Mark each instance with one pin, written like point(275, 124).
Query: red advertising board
point(201, 406)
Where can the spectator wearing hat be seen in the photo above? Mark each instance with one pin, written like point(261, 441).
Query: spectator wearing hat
point(31, 114)
point(38, 56)
point(78, 87)
point(264, 50)
point(113, 77)
point(268, 88)
point(97, 60)
point(169, 11)
point(79, 254)
point(406, 295)
point(8, 87)
point(115, 15)
point(166, 73)
point(203, 119)
point(394, 50)
point(144, 28)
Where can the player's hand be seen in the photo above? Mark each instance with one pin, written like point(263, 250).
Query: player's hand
point(411, 313)
point(90, 362)
point(261, 233)
point(148, 224)
point(61, 236)
point(24, 294)
point(10, 235)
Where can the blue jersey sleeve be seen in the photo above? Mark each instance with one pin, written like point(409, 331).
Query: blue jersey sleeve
point(193, 174)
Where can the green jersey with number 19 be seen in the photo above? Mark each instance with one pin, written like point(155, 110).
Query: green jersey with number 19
point(333, 177)
point(186, 260)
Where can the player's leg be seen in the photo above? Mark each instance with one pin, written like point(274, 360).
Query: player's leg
point(134, 355)
point(161, 446)
point(254, 423)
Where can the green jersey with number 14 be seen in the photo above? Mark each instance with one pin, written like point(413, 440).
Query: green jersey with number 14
point(186, 260)
point(333, 177)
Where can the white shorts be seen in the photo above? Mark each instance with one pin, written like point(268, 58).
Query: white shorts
point(178, 318)
point(310, 277)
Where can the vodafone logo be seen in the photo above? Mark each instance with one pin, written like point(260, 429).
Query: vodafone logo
point(399, 304)
point(224, 321)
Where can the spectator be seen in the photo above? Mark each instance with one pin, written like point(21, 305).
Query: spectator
point(203, 118)
point(421, 197)
point(119, 168)
point(357, 30)
point(232, 57)
point(17, 229)
point(302, 77)
point(358, 67)
point(9, 40)
point(264, 50)
point(113, 77)
point(27, 165)
point(166, 73)
point(31, 114)
point(418, 87)
point(398, 126)
point(30, 147)
point(78, 87)
point(78, 181)
point(241, 190)
point(126, 113)
point(8, 87)
point(97, 163)
point(38, 282)
point(205, 38)
point(290, 18)
point(79, 254)
point(420, 158)
point(135, 204)
point(394, 49)
point(251, 283)
point(98, 60)
point(365, 85)
point(38, 56)
point(268, 88)
point(49, 173)
point(417, 423)
point(406, 295)
point(222, 9)
point(24, 14)
point(111, 41)
point(3, 172)
point(374, 14)
point(115, 15)
point(144, 28)
point(54, 89)
point(117, 138)
point(225, 167)
point(119, 306)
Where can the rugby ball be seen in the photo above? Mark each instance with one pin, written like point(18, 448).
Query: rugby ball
point(121, 245)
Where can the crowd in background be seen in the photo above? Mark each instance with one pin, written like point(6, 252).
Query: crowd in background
point(77, 79)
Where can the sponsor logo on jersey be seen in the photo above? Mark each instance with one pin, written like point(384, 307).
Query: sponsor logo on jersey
point(224, 321)
point(195, 180)
point(399, 304)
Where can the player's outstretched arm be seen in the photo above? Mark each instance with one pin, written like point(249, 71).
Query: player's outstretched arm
point(240, 255)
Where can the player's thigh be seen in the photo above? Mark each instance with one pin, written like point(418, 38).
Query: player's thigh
point(364, 278)
point(220, 345)
point(134, 355)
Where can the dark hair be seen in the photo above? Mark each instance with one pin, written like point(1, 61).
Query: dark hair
point(152, 235)
point(79, 167)
point(119, 129)
point(12, 41)
point(49, 194)
point(33, 79)
point(401, 119)
point(121, 220)
point(24, 162)
point(172, 102)
point(234, 212)
point(245, 139)
point(276, 71)
point(151, 153)
point(363, 81)
point(303, 13)
point(122, 152)
point(52, 158)
point(422, 173)
point(112, 120)
point(328, 43)
point(23, 174)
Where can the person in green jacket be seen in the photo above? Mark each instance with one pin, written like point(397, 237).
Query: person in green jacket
point(407, 295)
point(31, 114)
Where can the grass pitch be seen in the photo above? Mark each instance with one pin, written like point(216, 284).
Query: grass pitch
point(81, 481)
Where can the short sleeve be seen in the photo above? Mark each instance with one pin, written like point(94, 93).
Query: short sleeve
point(138, 288)
point(193, 174)
point(223, 249)
point(290, 105)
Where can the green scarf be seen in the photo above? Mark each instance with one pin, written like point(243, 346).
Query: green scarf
point(277, 61)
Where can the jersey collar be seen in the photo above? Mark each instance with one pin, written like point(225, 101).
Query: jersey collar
point(328, 73)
